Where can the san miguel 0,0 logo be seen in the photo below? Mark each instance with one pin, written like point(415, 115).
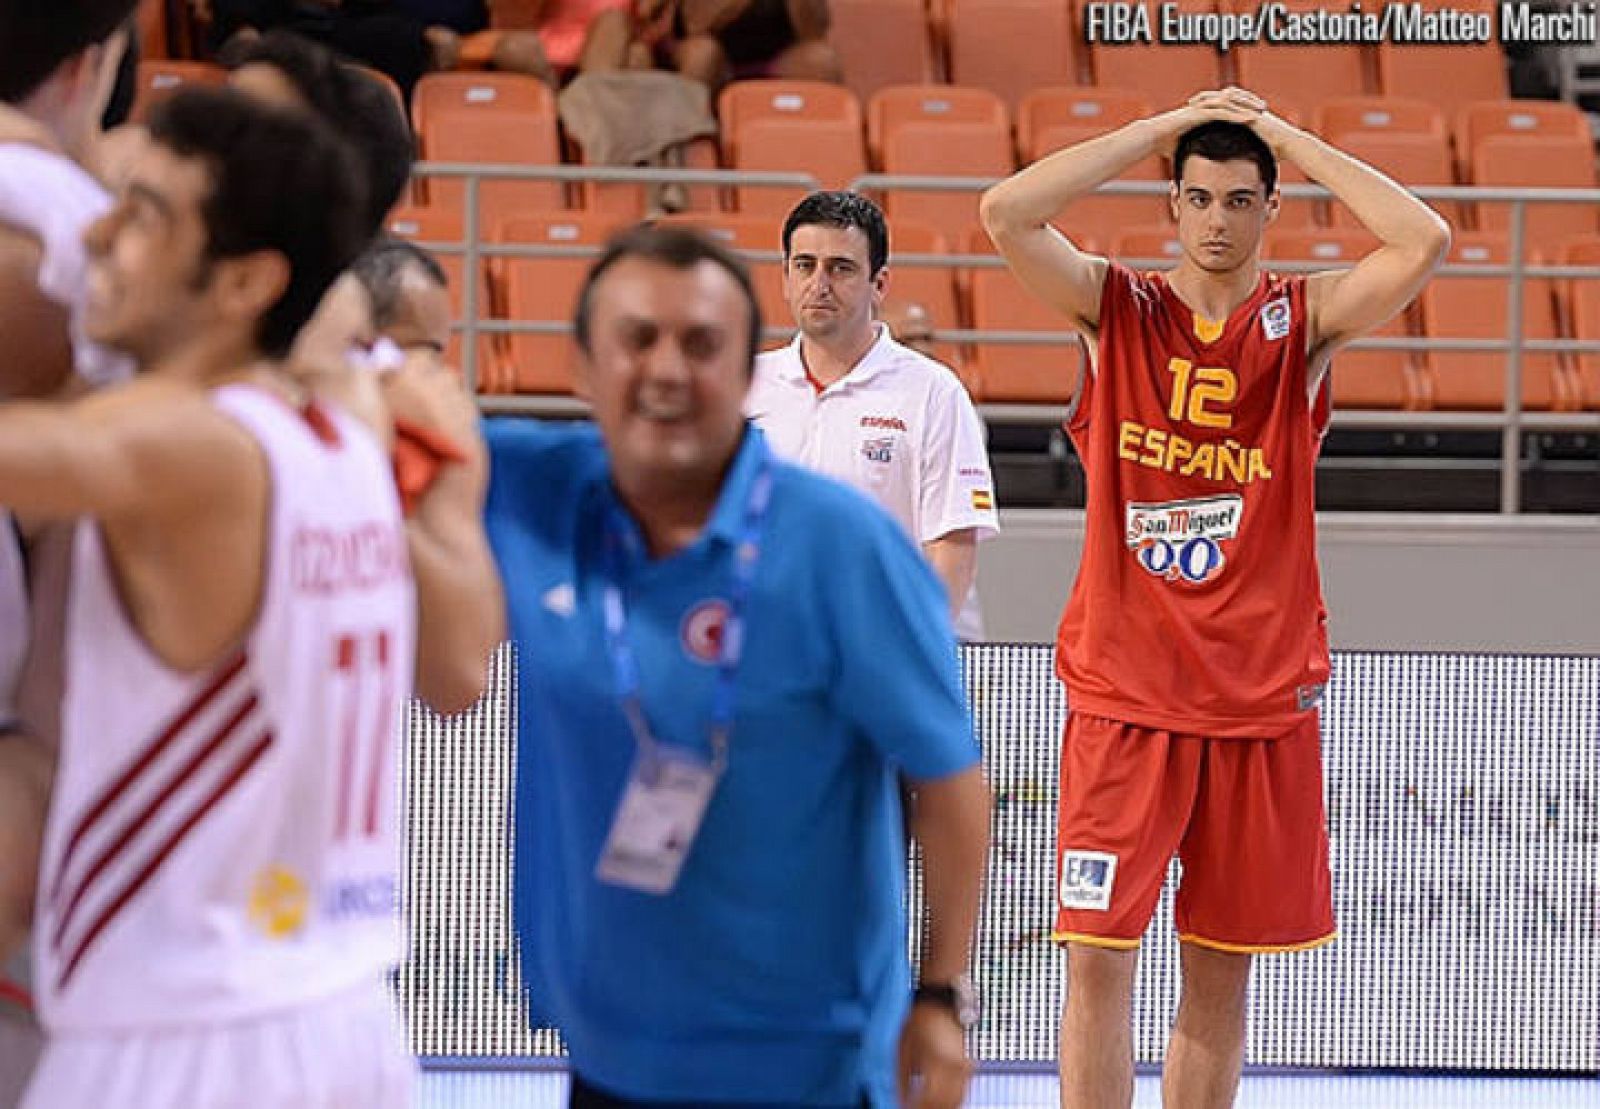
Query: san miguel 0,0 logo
point(1182, 540)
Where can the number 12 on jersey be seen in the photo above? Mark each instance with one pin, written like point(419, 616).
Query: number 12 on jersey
point(1201, 394)
point(364, 671)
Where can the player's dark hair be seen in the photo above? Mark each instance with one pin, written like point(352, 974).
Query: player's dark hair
point(363, 111)
point(678, 248)
point(381, 268)
point(36, 38)
point(1221, 141)
point(842, 209)
point(280, 181)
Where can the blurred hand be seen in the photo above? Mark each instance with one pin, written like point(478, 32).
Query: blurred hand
point(934, 1068)
point(426, 393)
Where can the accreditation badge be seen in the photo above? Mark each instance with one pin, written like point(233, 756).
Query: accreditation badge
point(656, 824)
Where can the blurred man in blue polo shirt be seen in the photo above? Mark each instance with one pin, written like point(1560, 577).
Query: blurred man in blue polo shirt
point(722, 663)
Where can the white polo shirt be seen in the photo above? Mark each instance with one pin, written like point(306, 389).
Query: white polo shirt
point(899, 427)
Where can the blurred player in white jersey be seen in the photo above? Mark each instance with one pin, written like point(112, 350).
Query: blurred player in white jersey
point(217, 905)
point(60, 61)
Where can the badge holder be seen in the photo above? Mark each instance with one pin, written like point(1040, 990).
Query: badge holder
point(662, 807)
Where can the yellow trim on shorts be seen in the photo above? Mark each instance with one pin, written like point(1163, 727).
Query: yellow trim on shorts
point(1093, 941)
point(1258, 948)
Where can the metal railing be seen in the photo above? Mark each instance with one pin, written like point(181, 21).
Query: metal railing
point(1512, 420)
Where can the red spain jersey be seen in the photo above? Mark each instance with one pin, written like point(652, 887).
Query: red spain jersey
point(1198, 606)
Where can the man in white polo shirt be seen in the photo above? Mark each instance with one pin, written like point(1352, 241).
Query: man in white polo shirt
point(847, 400)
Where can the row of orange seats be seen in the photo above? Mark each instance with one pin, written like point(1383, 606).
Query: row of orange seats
point(543, 289)
point(822, 130)
point(1011, 47)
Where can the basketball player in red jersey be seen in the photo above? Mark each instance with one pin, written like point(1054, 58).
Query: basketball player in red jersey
point(1193, 647)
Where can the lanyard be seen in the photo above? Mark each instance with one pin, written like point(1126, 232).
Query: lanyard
point(625, 665)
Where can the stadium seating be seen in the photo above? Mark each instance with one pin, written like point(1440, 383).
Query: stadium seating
point(939, 130)
point(1524, 161)
point(542, 290)
point(1582, 297)
point(1452, 76)
point(1051, 118)
point(493, 118)
point(1033, 373)
point(799, 126)
point(881, 43)
point(1011, 47)
point(933, 288)
point(1478, 121)
point(1467, 307)
point(1300, 74)
point(1418, 160)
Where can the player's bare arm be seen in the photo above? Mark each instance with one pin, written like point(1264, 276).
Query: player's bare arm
point(954, 557)
point(185, 537)
point(38, 352)
point(1346, 304)
point(1017, 212)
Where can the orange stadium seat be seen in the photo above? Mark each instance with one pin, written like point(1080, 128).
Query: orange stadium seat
point(1582, 297)
point(1535, 161)
point(494, 118)
point(1447, 76)
point(1546, 118)
point(1346, 115)
point(895, 107)
point(933, 288)
point(1360, 378)
point(1011, 47)
point(1093, 111)
point(1043, 373)
point(1301, 74)
point(1467, 307)
point(800, 126)
point(971, 150)
point(442, 227)
point(748, 234)
point(159, 79)
point(543, 290)
point(881, 43)
point(496, 138)
point(945, 131)
point(1415, 160)
point(1167, 74)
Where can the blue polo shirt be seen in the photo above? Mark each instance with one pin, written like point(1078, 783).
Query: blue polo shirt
point(775, 971)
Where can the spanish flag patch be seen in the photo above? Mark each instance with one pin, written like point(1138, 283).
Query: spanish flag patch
point(982, 499)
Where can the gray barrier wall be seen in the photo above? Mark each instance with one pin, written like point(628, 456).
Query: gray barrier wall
point(1393, 581)
point(1464, 818)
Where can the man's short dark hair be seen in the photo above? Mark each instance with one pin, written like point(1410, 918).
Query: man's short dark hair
point(842, 209)
point(36, 37)
point(678, 248)
point(280, 181)
point(362, 110)
point(1221, 141)
point(381, 268)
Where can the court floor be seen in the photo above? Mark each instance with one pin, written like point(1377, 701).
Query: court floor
point(502, 1089)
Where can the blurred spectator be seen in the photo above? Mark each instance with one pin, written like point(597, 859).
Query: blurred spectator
point(557, 39)
point(910, 325)
point(409, 293)
point(715, 41)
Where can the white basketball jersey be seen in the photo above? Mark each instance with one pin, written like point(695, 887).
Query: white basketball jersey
point(55, 200)
point(225, 844)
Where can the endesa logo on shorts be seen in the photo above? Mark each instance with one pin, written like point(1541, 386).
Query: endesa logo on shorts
point(1086, 879)
point(1182, 540)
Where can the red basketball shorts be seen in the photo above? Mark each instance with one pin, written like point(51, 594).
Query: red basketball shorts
point(1244, 816)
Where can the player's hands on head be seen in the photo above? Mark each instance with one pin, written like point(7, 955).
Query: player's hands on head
point(1226, 105)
